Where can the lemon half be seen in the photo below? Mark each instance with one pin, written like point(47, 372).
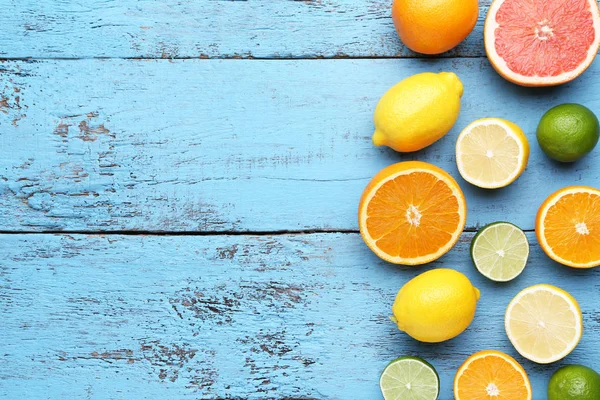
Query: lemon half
point(491, 153)
point(544, 323)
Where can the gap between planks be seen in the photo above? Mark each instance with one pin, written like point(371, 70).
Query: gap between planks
point(198, 233)
point(245, 57)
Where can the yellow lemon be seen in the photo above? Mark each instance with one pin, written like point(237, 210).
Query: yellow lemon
point(417, 111)
point(436, 305)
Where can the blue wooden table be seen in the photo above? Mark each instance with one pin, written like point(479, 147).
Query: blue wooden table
point(178, 191)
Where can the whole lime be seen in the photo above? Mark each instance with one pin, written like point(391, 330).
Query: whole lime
point(568, 132)
point(574, 382)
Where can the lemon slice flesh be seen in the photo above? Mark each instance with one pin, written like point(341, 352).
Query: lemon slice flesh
point(491, 153)
point(544, 323)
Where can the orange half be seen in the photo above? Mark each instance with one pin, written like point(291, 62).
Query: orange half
point(411, 213)
point(568, 226)
point(491, 374)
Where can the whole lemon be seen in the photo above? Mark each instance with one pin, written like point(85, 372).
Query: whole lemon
point(434, 26)
point(417, 111)
point(436, 305)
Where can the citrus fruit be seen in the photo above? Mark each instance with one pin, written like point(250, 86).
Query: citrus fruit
point(568, 132)
point(491, 374)
point(434, 26)
point(568, 226)
point(436, 305)
point(574, 382)
point(544, 323)
point(500, 251)
point(542, 43)
point(411, 213)
point(417, 111)
point(410, 378)
point(491, 153)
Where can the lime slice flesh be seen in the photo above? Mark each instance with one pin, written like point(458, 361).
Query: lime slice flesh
point(409, 378)
point(500, 251)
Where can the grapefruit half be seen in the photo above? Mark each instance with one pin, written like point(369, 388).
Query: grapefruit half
point(542, 42)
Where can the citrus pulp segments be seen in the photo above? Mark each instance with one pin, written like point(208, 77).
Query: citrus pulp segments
point(500, 251)
point(543, 323)
point(409, 378)
point(402, 215)
point(505, 377)
point(565, 35)
point(487, 159)
point(583, 224)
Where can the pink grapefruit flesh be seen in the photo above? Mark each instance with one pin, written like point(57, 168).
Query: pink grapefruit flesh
point(542, 42)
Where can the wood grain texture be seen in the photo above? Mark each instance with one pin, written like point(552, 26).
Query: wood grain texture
point(258, 317)
point(239, 145)
point(232, 146)
point(209, 29)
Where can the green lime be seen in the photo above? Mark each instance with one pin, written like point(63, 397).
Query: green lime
point(568, 132)
point(574, 382)
point(409, 378)
point(500, 251)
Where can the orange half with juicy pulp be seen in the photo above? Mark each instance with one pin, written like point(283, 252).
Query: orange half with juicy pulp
point(568, 226)
point(411, 213)
point(491, 374)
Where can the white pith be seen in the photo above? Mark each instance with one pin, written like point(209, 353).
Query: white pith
point(501, 65)
point(581, 228)
point(492, 389)
point(413, 215)
point(543, 31)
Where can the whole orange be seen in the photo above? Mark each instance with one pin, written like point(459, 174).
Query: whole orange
point(434, 26)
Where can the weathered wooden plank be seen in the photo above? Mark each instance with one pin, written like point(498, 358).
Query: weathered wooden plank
point(239, 145)
point(171, 28)
point(204, 317)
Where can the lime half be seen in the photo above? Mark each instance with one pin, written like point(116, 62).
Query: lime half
point(500, 251)
point(409, 378)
